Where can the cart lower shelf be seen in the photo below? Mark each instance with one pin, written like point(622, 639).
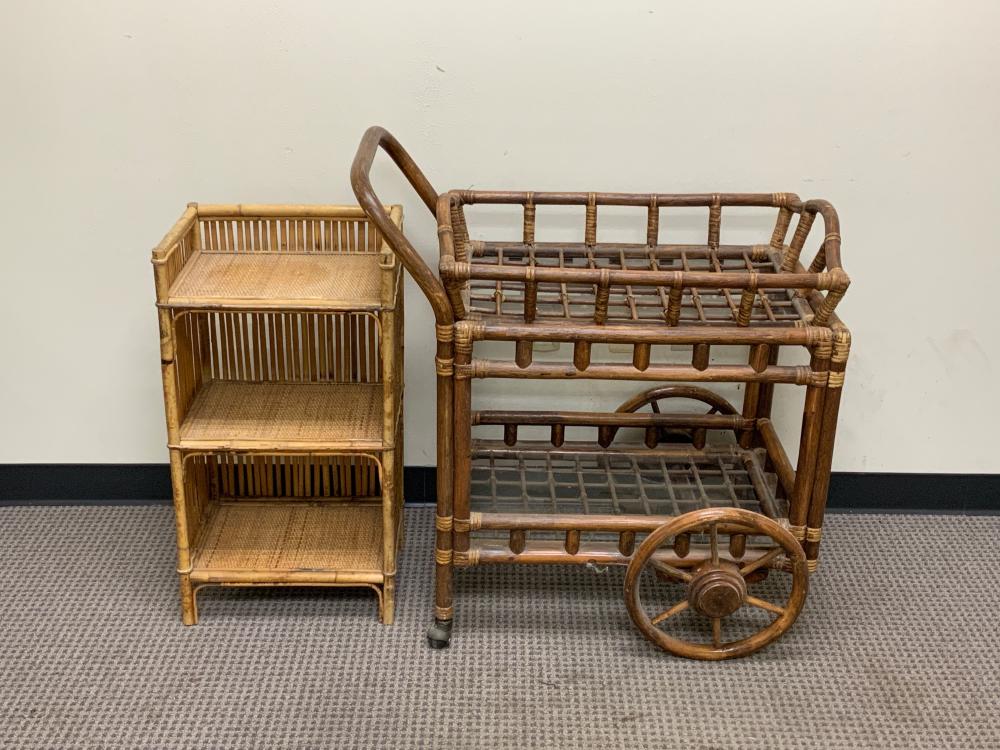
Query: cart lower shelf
point(286, 542)
point(628, 480)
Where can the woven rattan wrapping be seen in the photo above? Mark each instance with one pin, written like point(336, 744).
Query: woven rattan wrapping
point(252, 536)
point(242, 414)
point(337, 281)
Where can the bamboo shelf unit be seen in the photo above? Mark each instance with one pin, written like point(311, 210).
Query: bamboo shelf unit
point(281, 337)
point(718, 527)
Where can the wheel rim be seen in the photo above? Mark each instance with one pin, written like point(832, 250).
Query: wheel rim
point(713, 589)
point(654, 397)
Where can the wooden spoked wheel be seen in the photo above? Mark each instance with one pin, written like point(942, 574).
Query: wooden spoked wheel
point(653, 398)
point(717, 588)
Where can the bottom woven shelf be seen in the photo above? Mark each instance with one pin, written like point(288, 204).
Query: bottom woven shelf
point(290, 542)
point(585, 479)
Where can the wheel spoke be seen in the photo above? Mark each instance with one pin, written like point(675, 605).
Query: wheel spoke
point(753, 601)
point(717, 631)
point(670, 570)
point(760, 562)
point(713, 532)
point(668, 613)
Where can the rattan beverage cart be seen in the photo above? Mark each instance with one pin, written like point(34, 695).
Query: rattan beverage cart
point(718, 527)
point(281, 345)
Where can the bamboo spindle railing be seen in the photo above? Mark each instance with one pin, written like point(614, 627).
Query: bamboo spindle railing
point(459, 266)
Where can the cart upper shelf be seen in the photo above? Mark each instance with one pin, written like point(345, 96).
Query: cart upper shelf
point(490, 295)
point(651, 283)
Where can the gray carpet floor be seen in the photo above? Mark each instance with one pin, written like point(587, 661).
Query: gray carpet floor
point(897, 648)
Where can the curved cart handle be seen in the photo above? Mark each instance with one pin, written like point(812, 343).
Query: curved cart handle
point(373, 139)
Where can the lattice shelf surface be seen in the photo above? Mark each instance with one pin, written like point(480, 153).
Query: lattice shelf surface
point(633, 304)
point(579, 479)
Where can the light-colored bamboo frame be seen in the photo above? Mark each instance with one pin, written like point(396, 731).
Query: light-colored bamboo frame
point(285, 341)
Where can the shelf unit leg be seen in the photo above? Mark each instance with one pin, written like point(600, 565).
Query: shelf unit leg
point(389, 533)
point(388, 613)
point(391, 477)
point(189, 613)
point(399, 358)
point(189, 602)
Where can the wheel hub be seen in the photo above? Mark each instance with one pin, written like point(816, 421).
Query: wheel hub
point(717, 590)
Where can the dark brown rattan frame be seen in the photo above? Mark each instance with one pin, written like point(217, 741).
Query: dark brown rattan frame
point(588, 293)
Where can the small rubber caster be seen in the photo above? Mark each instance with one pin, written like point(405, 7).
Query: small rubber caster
point(439, 634)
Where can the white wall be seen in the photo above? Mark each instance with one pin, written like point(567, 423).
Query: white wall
point(115, 114)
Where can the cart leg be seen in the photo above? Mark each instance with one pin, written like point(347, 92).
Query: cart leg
point(753, 393)
point(831, 409)
point(439, 634)
point(805, 468)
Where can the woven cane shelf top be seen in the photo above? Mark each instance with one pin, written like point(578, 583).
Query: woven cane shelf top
point(287, 281)
point(274, 540)
point(632, 304)
point(581, 478)
point(236, 415)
